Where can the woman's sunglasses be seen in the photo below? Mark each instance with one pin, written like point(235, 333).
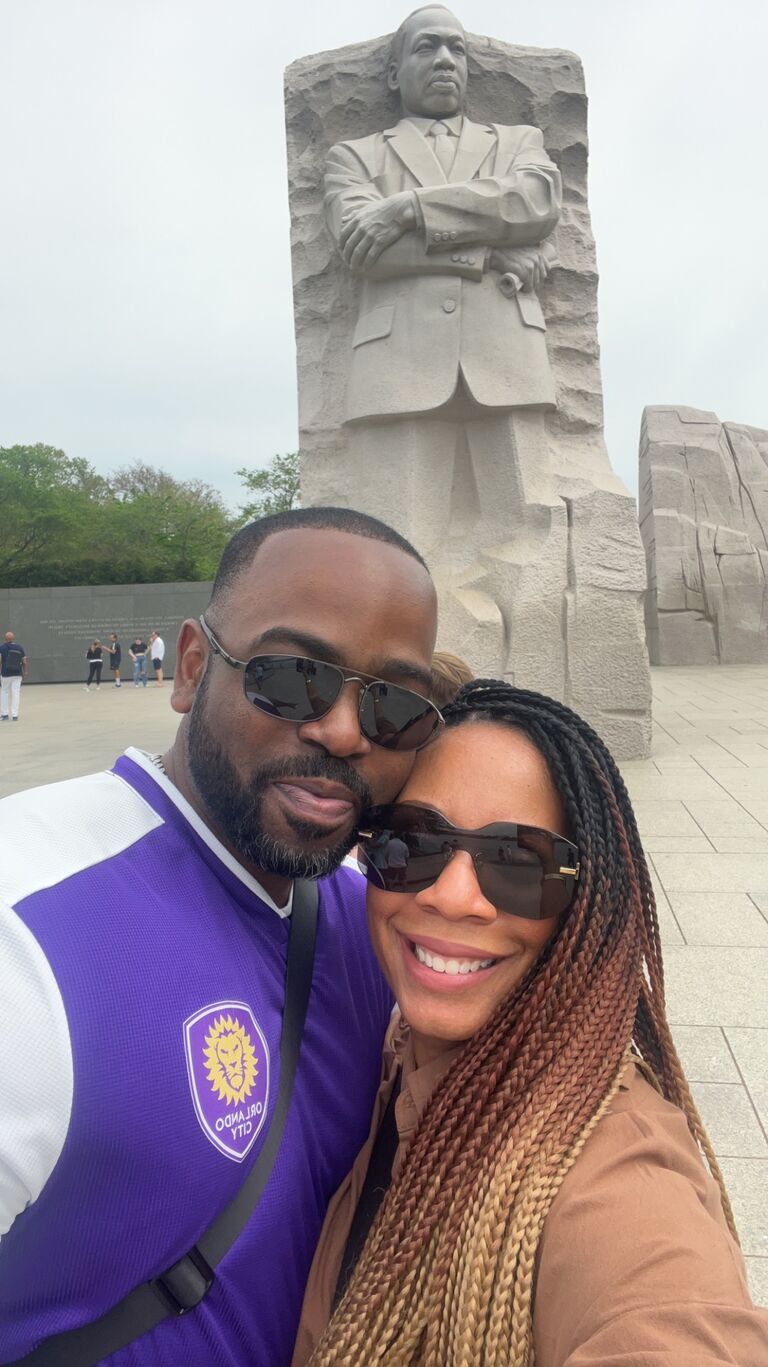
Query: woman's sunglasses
point(521, 869)
point(292, 688)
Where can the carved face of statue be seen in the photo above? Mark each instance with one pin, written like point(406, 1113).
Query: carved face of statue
point(429, 67)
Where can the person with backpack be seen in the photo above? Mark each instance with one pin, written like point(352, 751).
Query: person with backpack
point(13, 669)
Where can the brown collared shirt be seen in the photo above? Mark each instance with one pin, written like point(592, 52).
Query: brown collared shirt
point(636, 1266)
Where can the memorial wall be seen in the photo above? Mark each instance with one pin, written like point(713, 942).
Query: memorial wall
point(56, 625)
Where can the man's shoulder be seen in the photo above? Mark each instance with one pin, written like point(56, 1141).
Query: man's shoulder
point(48, 834)
point(345, 887)
point(357, 149)
point(515, 134)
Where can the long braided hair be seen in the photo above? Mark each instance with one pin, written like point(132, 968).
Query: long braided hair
point(446, 1276)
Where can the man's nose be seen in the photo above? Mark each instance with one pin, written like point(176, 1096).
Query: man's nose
point(456, 894)
point(338, 731)
point(445, 58)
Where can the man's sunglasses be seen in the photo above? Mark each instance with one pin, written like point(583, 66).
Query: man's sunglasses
point(521, 869)
point(292, 688)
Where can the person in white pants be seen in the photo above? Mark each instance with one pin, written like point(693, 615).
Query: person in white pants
point(13, 668)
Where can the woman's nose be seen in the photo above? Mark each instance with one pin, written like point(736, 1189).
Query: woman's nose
point(457, 894)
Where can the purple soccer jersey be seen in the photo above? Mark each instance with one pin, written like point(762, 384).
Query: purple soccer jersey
point(171, 969)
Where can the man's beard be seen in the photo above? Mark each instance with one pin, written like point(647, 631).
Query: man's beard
point(236, 806)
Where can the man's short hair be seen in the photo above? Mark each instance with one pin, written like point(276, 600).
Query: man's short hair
point(398, 41)
point(241, 549)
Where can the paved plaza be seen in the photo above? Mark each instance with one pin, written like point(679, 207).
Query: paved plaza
point(702, 807)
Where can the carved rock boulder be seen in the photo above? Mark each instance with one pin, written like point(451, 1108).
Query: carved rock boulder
point(704, 523)
point(549, 592)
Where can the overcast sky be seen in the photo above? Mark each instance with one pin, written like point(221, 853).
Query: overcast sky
point(145, 289)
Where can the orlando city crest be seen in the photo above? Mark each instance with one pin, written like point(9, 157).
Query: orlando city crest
point(228, 1070)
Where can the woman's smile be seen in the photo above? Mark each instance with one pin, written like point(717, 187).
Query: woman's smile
point(445, 966)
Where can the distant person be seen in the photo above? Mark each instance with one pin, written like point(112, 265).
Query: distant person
point(115, 657)
point(138, 653)
point(157, 652)
point(449, 674)
point(94, 655)
point(13, 669)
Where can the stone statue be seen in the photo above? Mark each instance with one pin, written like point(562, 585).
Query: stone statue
point(434, 256)
point(442, 219)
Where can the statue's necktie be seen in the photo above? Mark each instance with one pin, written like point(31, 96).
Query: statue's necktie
point(444, 145)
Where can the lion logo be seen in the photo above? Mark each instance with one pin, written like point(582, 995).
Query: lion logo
point(230, 1059)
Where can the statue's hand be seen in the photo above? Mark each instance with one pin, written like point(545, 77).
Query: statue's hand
point(367, 232)
point(528, 263)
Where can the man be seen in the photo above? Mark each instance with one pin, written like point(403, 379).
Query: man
point(444, 221)
point(157, 652)
point(138, 653)
point(115, 656)
point(140, 1051)
point(13, 669)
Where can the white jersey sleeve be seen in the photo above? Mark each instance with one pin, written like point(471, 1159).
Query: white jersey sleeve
point(35, 1069)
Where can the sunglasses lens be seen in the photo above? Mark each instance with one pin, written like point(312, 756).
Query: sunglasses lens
point(403, 860)
point(292, 688)
point(518, 873)
point(396, 718)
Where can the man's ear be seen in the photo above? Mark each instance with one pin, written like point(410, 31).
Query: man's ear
point(393, 80)
point(191, 660)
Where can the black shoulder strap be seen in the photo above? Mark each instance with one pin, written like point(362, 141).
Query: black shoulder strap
point(378, 1180)
point(184, 1285)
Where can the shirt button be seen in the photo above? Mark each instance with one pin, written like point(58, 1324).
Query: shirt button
point(470, 260)
point(449, 305)
point(455, 256)
point(453, 236)
point(438, 237)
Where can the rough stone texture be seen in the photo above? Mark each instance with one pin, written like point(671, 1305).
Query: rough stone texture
point(704, 523)
point(56, 625)
point(557, 604)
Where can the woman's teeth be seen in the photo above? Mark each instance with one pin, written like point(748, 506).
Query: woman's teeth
point(452, 966)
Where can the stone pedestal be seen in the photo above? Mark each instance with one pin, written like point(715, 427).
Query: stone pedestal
point(532, 539)
point(704, 522)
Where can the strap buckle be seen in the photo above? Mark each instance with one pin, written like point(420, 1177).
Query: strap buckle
point(185, 1284)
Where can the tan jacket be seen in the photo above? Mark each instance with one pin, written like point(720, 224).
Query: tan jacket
point(431, 294)
point(636, 1267)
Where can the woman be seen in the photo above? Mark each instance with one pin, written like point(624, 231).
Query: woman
point(547, 1200)
point(94, 657)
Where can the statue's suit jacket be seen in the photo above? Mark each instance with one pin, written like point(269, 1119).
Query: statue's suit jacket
point(430, 311)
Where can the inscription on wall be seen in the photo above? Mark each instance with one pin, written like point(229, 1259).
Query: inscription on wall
point(91, 628)
point(57, 625)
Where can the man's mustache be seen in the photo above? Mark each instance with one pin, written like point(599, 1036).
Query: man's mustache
point(315, 766)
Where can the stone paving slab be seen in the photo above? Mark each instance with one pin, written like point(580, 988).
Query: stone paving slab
point(704, 1053)
point(702, 807)
point(719, 918)
point(63, 731)
point(709, 766)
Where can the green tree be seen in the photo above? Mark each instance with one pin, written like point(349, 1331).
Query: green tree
point(170, 529)
point(45, 498)
point(276, 488)
point(61, 523)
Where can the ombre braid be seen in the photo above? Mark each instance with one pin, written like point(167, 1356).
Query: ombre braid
point(446, 1276)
